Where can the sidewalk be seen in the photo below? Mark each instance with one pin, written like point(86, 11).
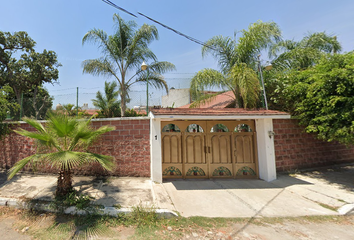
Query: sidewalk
point(328, 191)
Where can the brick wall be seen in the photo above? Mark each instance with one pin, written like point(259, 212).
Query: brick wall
point(129, 144)
point(295, 149)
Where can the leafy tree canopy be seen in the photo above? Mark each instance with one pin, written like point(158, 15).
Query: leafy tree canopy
point(27, 73)
point(324, 97)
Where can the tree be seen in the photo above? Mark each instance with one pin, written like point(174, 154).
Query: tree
point(238, 64)
point(43, 103)
point(69, 109)
point(10, 43)
point(108, 104)
point(41, 68)
point(305, 53)
point(123, 52)
point(30, 71)
point(65, 143)
point(290, 57)
point(324, 97)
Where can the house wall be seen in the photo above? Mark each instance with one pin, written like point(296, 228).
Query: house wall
point(176, 98)
point(129, 144)
point(295, 149)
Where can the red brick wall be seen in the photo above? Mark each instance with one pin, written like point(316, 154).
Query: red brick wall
point(129, 144)
point(295, 149)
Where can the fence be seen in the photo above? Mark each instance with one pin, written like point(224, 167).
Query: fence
point(82, 97)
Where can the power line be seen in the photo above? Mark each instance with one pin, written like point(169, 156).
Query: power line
point(179, 33)
point(161, 24)
point(122, 9)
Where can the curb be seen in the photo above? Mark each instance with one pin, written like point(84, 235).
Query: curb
point(347, 209)
point(111, 211)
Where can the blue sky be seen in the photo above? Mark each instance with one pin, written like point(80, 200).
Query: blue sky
point(61, 25)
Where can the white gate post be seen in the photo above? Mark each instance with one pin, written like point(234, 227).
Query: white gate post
point(155, 149)
point(266, 153)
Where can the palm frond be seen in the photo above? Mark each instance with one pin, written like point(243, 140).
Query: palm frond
point(206, 78)
point(247, 84)
point(203, 99)
point(20, 164)
point(224, 51)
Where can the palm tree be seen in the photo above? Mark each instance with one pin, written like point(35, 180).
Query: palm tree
point(289, 54)
point(64, 142)
point(238, 64)
point(109, 105)
point(125, 51)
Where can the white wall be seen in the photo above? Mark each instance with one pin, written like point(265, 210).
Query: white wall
point(266, 153)
point(155, 149)
point(176, 98)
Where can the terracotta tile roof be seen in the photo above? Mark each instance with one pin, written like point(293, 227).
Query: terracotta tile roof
point(220, 101)
point(216, 111)
point(92, 111)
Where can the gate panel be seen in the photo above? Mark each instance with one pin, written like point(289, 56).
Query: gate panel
point(172, 166)
point(244, 155)
point(219, 154)
point(209, 149)
point(195, 165)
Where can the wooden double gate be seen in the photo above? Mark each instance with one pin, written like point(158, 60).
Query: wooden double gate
point(209, 149)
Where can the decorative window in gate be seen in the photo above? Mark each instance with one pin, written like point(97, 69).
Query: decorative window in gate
point(243, 128)
point(195, 171)
point(171, 128)
point(219, 128)
point(194, 128)
point(222, 171)
point(246, 171)
point(172, 171)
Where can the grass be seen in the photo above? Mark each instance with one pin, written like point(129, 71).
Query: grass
point(142, 223)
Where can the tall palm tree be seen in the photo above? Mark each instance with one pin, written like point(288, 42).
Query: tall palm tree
point(64, 142)
point(238, 64)
point(290, 54)
point(289, 57)
point(125, 51)
point(108, 103)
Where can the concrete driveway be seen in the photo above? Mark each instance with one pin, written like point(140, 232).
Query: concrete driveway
point(327, 191)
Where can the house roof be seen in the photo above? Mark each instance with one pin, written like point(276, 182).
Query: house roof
point(185, 113)
point(220, 101)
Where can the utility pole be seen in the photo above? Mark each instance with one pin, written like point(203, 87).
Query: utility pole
point(77, 102)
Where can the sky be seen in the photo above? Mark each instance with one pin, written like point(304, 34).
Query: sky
point(61, 25)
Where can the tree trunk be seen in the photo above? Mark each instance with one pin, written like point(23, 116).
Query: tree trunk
point(34, 103)
point(64, 185)
point(122, 103)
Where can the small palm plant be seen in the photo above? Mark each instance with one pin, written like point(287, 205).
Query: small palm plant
point(64, 142)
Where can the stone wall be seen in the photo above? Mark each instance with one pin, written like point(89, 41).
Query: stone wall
point(129, 144)
point(295, 149)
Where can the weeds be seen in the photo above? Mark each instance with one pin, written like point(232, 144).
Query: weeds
point(80, 201)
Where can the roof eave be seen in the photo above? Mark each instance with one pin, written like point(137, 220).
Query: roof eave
point(224, 117)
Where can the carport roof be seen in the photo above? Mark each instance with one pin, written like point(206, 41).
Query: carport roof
point(213, 112)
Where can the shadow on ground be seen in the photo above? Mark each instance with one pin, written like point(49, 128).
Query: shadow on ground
point(218, 184)
point(340, 175)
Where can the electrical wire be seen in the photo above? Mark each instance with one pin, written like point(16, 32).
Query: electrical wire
point(163, 25)
point(179, 33)
point(122, 9)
